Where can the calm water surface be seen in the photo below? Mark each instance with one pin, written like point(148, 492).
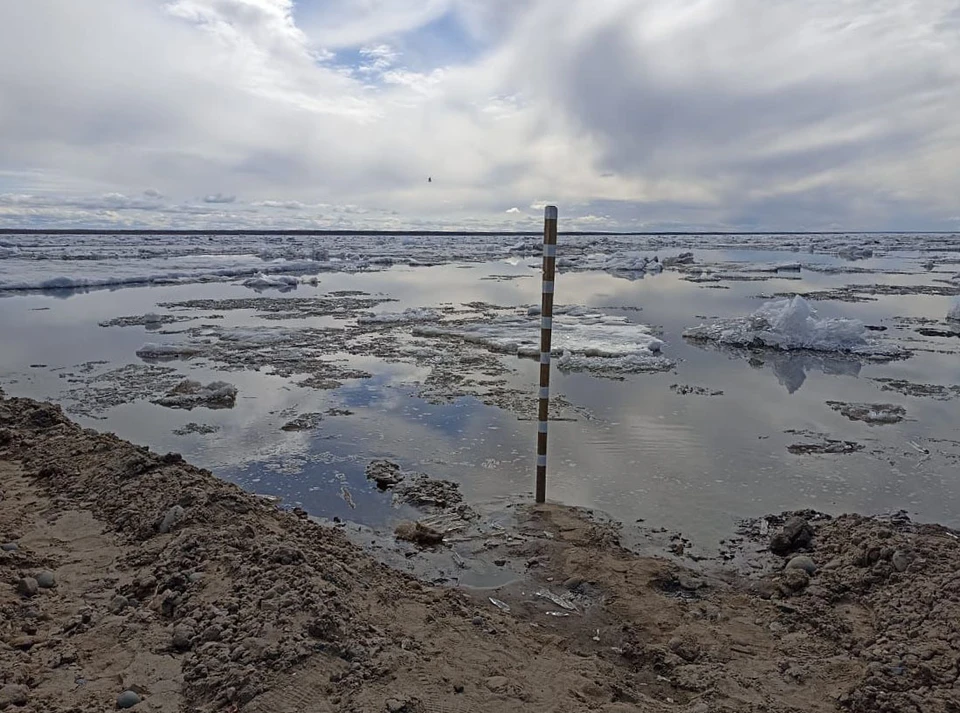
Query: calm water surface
point(689, 463)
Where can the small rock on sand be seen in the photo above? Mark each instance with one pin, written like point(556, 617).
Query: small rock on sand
point(901, 560)
point(9, 547)
point(118, 604)
point(793, 580)
point(764, 588)
point(28, 587)
point(181, 637)
point(796, 533)
point(802, 562)
point(418, 533)
point(691, 584)
point(172, 518)
point(685, 648)
point(128, 699)
point(46, 580)
point(497, 684)
point(13, 695)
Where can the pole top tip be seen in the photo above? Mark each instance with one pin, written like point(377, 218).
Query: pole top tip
point(550, 212)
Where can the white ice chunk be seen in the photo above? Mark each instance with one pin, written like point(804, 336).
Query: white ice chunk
point(953, 314)
point(854, 252)
point(413, 314)
point(629, 261)
point(261, 281)
point(793, 324)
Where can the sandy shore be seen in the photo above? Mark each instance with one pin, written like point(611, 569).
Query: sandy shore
point(125, 572)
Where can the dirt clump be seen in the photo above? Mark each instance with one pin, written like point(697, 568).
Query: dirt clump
point(418, 533)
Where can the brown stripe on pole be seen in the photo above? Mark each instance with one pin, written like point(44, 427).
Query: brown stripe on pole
point(546, 334)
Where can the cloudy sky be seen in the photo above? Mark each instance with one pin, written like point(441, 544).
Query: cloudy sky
point(629, 114)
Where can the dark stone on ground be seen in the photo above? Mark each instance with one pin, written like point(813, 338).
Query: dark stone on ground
point(28, 587)
point(796, 534)
point(128, 699)
point(802, 562)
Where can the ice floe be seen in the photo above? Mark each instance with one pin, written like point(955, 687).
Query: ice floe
point(190, 394)
point(953, 314)
point(261, 281)
point(789, 324)
point(584, 339)
point(152, 350)
point(854, 252)
point(414, 314)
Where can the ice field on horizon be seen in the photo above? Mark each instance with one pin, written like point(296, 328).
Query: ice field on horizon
point(64, 262)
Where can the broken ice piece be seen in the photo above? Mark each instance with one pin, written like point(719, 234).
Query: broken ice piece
point(502, 606)
point(556, 599)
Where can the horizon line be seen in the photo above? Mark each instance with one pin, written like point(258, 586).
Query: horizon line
point(520, 233)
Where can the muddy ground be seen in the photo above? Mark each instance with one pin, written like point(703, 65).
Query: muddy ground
point(128, 573)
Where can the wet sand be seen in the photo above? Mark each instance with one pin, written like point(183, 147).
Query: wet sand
point(198, 596)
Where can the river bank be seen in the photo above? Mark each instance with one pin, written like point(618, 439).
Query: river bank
point(167, 585)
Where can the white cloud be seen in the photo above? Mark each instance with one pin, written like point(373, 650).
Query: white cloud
point(378, 58)
point(219, 198)
point(288, 205)
point(348, 23)
point(795, 114)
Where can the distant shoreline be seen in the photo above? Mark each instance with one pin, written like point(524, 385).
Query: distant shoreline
point(526, 233)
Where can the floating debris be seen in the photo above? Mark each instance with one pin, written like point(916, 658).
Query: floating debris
point(303, 422)
point(189, 394)
point(828, 446)
point(872, 414)
point(687, 390)
point(201, 428)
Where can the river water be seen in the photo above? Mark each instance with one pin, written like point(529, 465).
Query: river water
point(639, 450)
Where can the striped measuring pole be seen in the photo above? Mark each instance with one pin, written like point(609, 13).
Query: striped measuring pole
point(546, 334)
